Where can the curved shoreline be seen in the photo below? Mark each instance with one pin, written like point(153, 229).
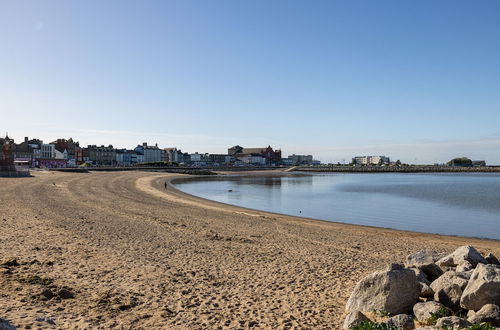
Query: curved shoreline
point(204, 202)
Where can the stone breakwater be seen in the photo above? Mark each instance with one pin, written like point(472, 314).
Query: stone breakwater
point(430, 291)
point(398, 169)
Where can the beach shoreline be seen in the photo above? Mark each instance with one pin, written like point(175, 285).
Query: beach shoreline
point(138, 255)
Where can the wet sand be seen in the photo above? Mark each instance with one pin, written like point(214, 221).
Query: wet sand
point(137, 255)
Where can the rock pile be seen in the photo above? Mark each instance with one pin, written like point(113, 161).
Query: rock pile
point(430, 291)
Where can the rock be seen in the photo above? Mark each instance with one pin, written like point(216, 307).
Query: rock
point(449, 296)
point(463, 253)
point(425, 261)
point(65, 294)
point(6, 325)
point(423, 311)
point(9, 262)
point(483, 288)
point(488, 313)
point(452, 321)
point(401, 321)
point(426, 291)
point(45, 319)
point(450, 278)
point(353, 319)
point(47, 293)
point(491, 259)
point(421, 277)
point(423, 257)
point(464, 266)
point(395, 291)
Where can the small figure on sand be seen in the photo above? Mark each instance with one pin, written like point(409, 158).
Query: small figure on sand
point(165, 184)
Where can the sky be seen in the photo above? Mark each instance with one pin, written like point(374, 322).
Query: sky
point(417, 81)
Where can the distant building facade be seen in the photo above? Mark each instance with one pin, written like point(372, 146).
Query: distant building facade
point(270, 155)
point(371, 160)
point(151, 153)
point(102, 155)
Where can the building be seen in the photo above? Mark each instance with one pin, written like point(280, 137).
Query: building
point(68, 149)
point(48, 151)
point(299, 160)
point(371, 160)
point(102, 155)
point(271, 156)
point(220, 159)
point(151, 153)
point(126, 157)
point(478, 163)
point(252, 159)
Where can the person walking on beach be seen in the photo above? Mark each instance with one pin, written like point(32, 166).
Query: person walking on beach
point(165, 184)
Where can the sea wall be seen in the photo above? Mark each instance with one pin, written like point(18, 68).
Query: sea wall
point(397, 169)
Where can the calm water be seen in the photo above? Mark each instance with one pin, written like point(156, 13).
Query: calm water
point(453, 204)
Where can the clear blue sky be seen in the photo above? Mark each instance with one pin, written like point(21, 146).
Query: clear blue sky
point(414, 80)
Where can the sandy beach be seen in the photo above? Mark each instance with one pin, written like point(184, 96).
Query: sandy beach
point(119, 250)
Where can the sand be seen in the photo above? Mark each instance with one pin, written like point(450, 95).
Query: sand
point(136, 256)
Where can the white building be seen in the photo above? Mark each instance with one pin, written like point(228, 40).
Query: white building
point(252, 159)
point(48, 151)
point(371, 160)
point(150, 153)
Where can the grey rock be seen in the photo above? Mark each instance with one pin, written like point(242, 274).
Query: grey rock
point(425, 261)
point(426, 291)
point(488, 313)
point(491, 259)
point(394, 291)
point(450, 278)
point(449, 296)
point(464, 266)
point(423, 311)
point(463, 253)
point(353, 319)
point(401, 321)
point(421, 277)
point(6, 325)
point(423, 257)
point(483, 288)
point(452, 321)
point(45, 319)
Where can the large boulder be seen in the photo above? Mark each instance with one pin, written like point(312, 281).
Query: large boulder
point(353, 319)
point(450, 278)
point(394, 290)
point(425, 310)
point(449, 296)
point(425, 261)
point(463, 253)
point(488, 313)
point(452, 322)
point(401, 321)
point(483, 288)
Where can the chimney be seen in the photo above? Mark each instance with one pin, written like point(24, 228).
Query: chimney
point(156, 145)
point(144, 144)
point(25, 139)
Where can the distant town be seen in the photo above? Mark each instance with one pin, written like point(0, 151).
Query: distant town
point(67, 153)
point(63, 153)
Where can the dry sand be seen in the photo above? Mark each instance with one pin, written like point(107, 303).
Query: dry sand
point(135, 256)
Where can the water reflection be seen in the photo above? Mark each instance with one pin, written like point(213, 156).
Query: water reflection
point(456, 204)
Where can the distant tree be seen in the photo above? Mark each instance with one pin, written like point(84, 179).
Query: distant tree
point(461, 161)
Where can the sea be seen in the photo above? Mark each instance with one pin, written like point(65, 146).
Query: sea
point(461, 204)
